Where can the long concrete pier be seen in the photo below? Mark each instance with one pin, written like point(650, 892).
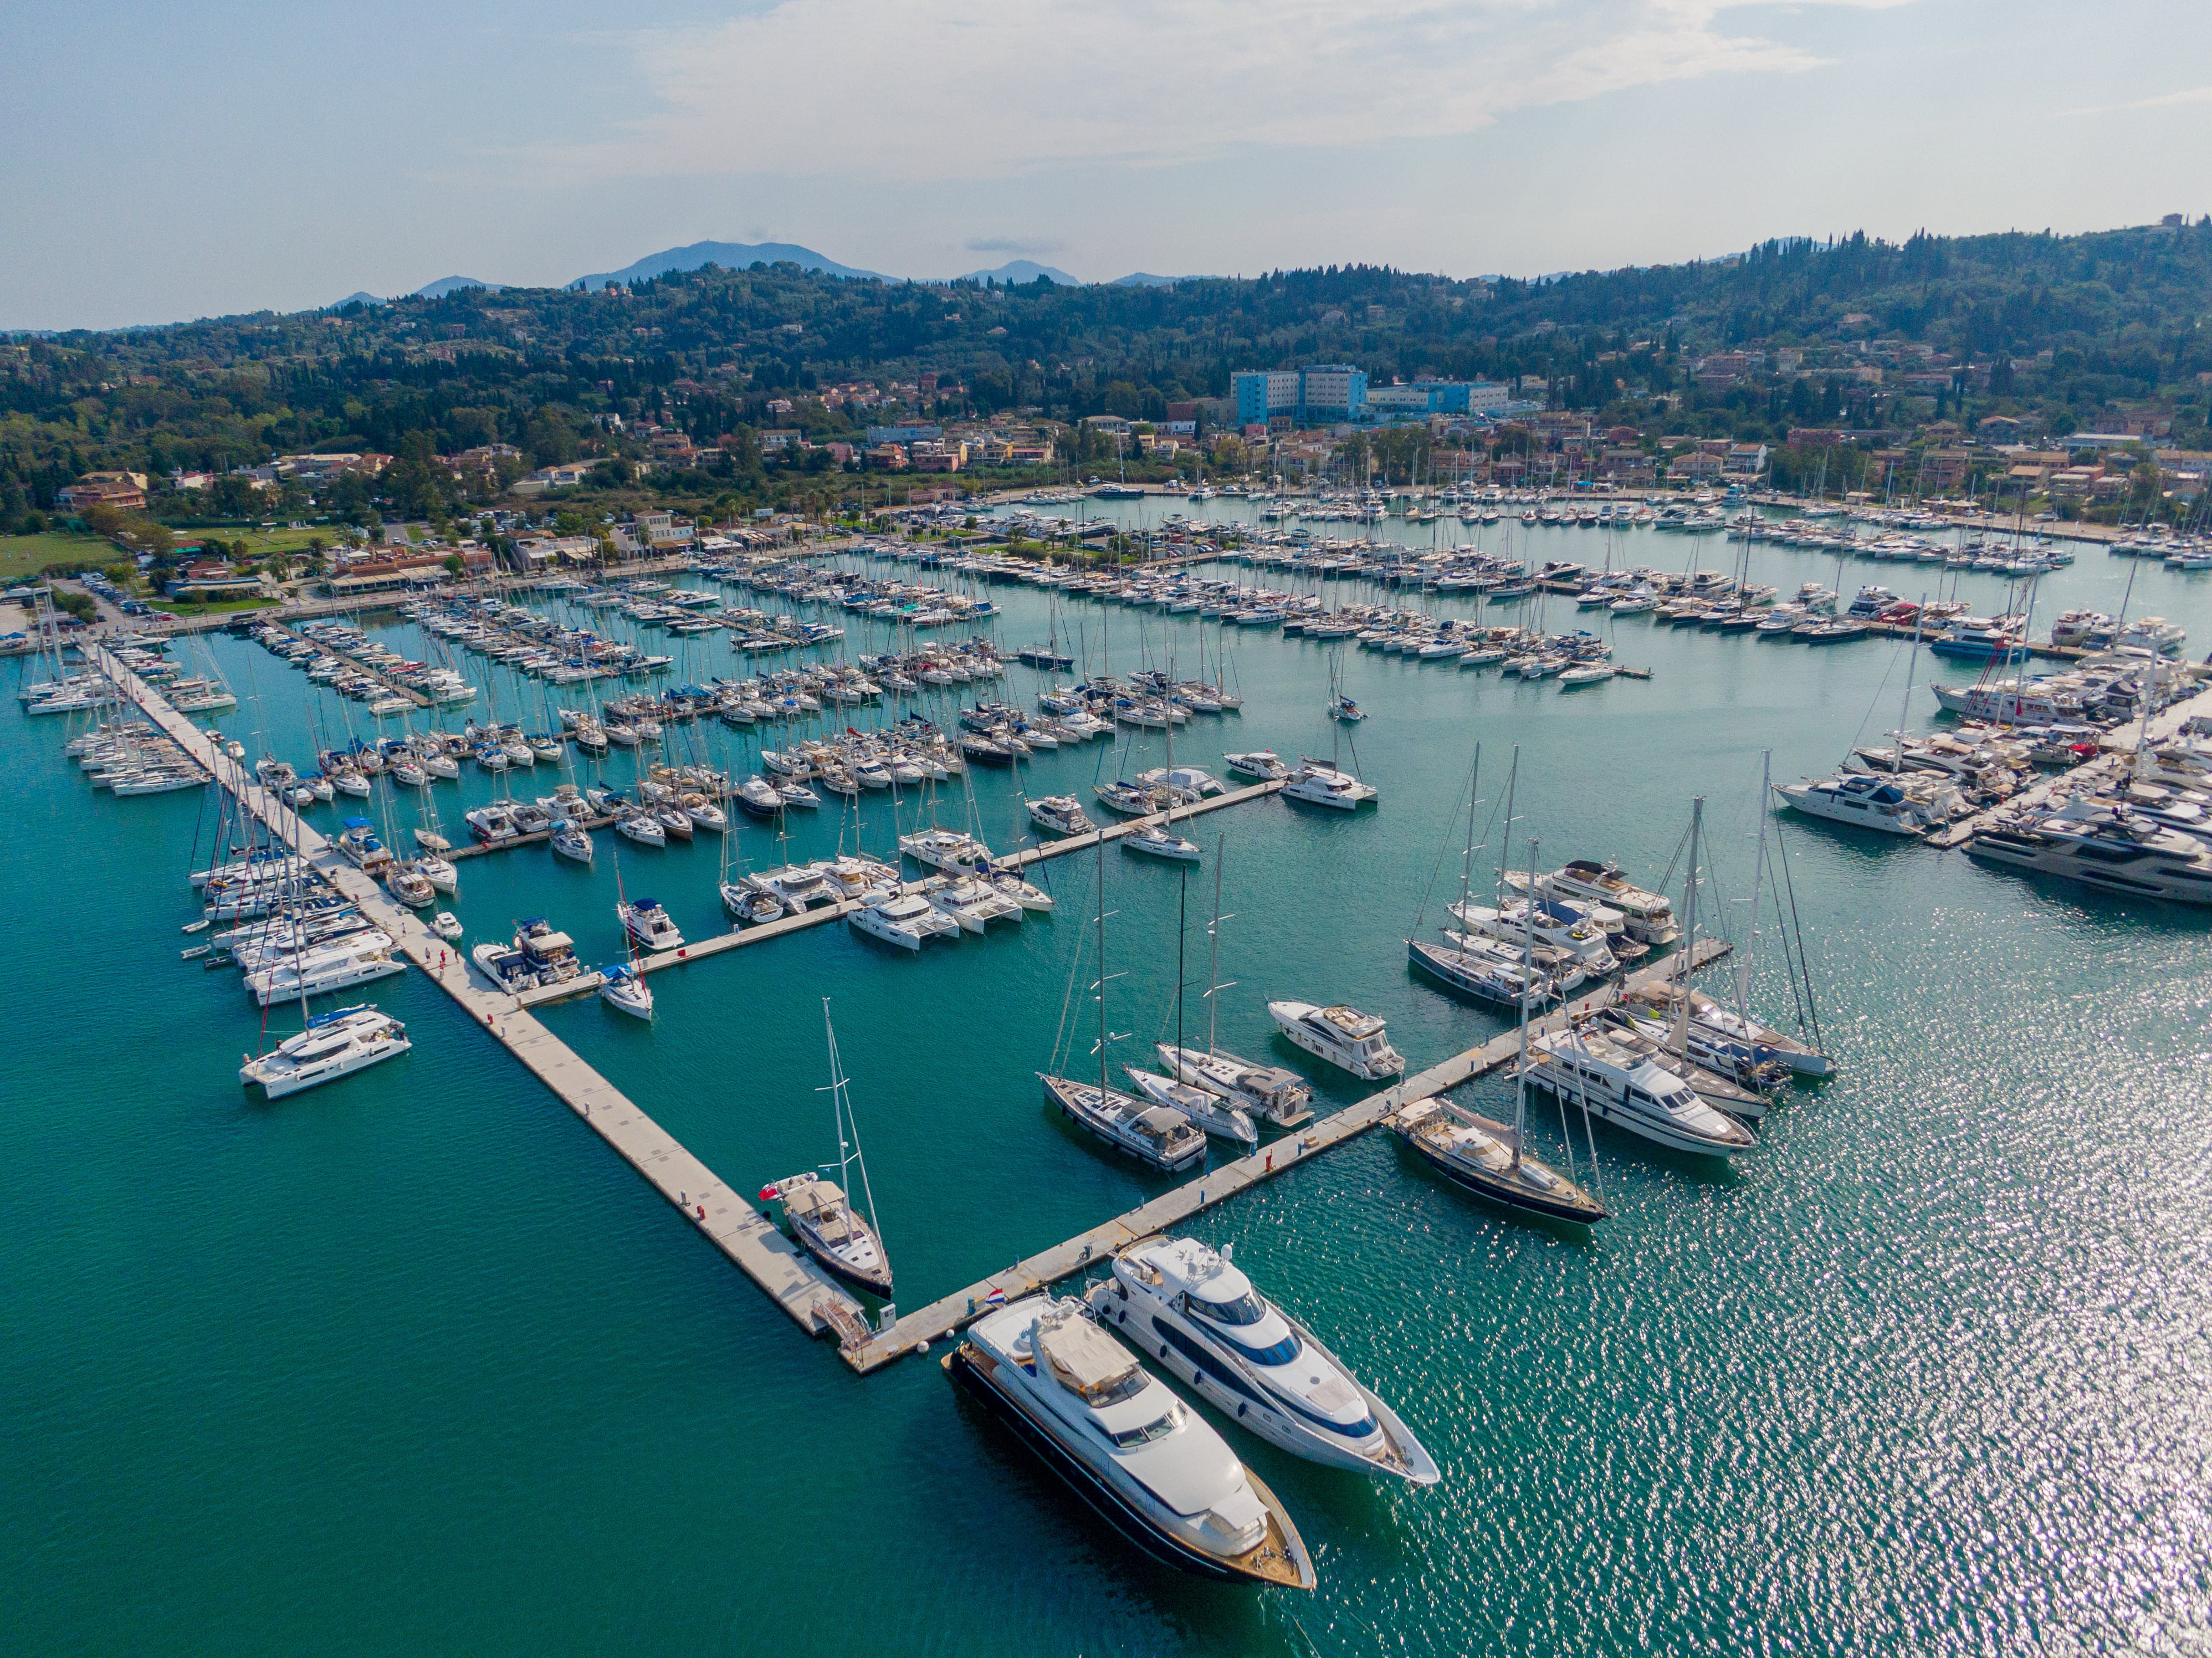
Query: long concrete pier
point(724, 1216)
point(914, 1331)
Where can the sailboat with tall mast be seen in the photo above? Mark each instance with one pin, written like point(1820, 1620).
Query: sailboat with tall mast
point(1216, 1116)
point(330, 1045)
point(622, 986)
point(1490, 1158)
point(821, 1211)
point(1159, 1135)
point(1269, 1091)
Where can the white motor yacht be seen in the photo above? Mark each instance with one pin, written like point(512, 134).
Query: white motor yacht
point(649, 924)
point(1062, 814)
point(1136, 1454)
point(335, 1044)
point(1343, 1036)
point(1542, 922)
point(1646, 917)
point(446, 925)
point(1157, 840)
point(1584, 1068)
point(759, 797)
point(1324, 785)
point(903, 919)
point(1156, 1135)
point(1251, 1360)
point(1860, 797)
point(2115, 852)
point(1267, 1091)
point(1260, 765)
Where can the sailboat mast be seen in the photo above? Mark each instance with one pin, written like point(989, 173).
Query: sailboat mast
point(1527, 974)
point(1904, 714)
point(1213, 936)
point(1183, 925)
point(1102, 972)
point(1689, 931)
point(1758, 885)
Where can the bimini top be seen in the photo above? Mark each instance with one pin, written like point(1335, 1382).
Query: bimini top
point(1084, 1359)
point(359, 824)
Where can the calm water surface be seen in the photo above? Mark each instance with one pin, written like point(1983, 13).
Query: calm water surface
point(414, 1363)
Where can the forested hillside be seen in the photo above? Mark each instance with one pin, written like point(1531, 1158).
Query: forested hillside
point(2063, 332)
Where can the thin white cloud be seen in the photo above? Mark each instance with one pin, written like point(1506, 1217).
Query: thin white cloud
point(2194, 95)
point(989, 88)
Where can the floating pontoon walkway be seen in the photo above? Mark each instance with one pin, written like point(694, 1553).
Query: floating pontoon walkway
point(917, 1329)
point(739, 937)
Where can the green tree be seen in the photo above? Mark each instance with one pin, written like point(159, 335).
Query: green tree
point(550, 439)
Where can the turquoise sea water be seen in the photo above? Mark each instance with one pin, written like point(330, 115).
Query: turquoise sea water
point(414, 1363)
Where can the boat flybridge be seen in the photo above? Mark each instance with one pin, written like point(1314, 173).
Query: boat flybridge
point(1343, 1036)
point(1879, 803)
point(335, 1044)
point(649, 924)
point(1062, 814)
point(1267, 1091)
point(1152, 1467)
point(1252, 1360)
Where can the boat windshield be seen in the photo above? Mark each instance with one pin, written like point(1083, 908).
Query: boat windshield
point(1279, 1352)
point(1246, 1309)
point(1158, 1429)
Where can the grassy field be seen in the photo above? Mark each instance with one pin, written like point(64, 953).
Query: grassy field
point(26, 556)
point(220, 607)
point(259, 543)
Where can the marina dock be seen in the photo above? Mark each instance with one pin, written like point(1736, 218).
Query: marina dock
point(790, 1279)
point(2118, 754)
point(914, 1331)
point(738, 938)
point(391, 687)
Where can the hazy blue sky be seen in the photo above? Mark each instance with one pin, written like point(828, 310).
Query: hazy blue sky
point(162, 161)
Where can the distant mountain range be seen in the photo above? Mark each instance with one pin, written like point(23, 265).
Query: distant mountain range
point(736, 256)
point(731, 256)
point(1022, 270)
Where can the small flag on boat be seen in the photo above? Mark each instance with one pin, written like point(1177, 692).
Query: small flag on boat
point(996, 1298)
